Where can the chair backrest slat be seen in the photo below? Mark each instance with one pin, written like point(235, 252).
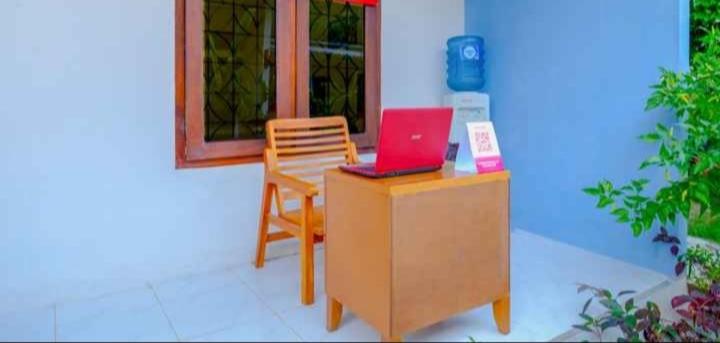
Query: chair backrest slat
point(310, 133)
point(305, 148)
point(336, 139)
point(310, 149)
point(314, 156)
point(330, 163)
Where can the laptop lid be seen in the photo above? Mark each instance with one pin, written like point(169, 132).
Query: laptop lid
point(413, 138)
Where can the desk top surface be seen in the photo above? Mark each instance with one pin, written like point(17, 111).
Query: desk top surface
point(418, 182)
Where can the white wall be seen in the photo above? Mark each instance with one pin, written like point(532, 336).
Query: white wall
point(90, 200)
point(414, 37)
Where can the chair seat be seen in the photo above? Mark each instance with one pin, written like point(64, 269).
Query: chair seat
point(318, 219)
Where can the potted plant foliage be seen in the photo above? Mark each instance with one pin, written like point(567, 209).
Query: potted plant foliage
point(689, 154)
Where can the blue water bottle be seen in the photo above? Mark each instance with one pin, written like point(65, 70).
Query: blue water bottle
point(466, 63)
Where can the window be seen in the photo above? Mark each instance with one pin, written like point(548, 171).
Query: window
point(240, 63)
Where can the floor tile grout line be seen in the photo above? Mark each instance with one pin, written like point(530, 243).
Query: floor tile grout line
point(275, 313)
point(162, 308)
point(137, 286)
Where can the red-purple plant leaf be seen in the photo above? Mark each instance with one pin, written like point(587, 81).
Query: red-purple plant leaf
point(685, 314)
point(680, 300)
point(679, 268)
point(674, 250)
point(698, 295)
point(715, 289)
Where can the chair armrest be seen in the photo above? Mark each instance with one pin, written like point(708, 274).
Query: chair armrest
point(295, 184)
point(354, 158)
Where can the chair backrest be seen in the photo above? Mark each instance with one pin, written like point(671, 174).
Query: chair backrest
point(305, 148)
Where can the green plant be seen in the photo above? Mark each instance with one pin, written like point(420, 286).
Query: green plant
point(632, 320)
point(705, 16)
point(706, 226)
point(699, 312)
point(689, 151)
point(703, 266)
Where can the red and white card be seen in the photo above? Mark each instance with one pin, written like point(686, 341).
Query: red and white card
point(484, 147)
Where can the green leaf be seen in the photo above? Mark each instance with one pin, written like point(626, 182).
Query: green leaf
point(640, 184)
point(586, 306)
point(619, 212)
point(637, 198)
point(583, 288)
point(650, 137)
point(629, 305)
point(593, 191)
point(587, 318)
point(608, 324)
point(623, 293)
point(637, 229)
point(654, 160)
point(665, 153)
point(604, 202)
point(630, 321)
point(611, 305)
point(606, 186)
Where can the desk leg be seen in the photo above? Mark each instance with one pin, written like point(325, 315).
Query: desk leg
point(334, 314)
point(386, 338)
point(501, 311)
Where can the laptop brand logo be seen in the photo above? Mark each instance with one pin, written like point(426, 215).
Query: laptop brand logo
point(416, 137)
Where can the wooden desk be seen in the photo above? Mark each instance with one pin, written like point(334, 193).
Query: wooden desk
point(407, 252)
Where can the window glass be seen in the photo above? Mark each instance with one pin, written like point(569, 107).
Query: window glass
point(337, 62)
point(239, 68)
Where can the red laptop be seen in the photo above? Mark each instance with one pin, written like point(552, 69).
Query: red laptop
point(412, 140)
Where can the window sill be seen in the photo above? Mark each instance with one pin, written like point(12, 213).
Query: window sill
point(223, 162)
point(181, 163)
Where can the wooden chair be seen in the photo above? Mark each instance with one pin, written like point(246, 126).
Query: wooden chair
point(298, 153)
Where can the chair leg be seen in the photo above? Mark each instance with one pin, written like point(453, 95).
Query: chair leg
point(387, 338)
point(501, 312)
point(263, 225)
point(307, 258)
point(334, 314)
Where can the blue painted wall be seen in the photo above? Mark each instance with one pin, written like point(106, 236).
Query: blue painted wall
point(568, 81)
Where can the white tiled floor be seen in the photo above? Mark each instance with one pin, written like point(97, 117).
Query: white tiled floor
point(134, 315)
point(263, 305)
